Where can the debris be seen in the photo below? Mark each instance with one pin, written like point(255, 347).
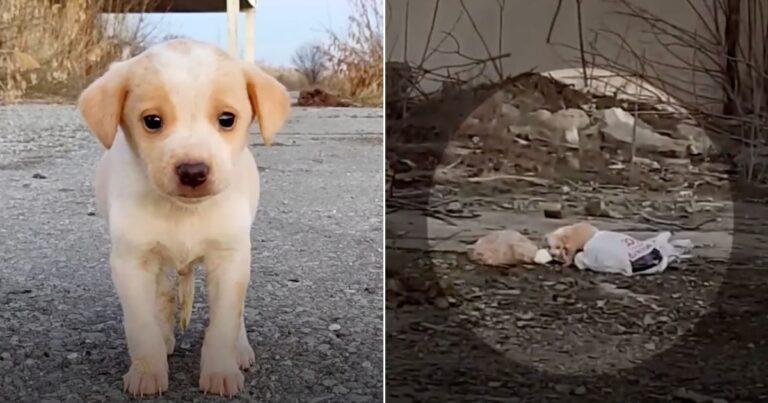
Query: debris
point(648, 163)
point(612, 290)
point(614, 252)
point(334, 327)
point(453, 207)
point(561, 124)
point(527, 315)
point(320, 97)
point(595, 208)
point(691, 396)
point(669, 222)
point(542, 257)
point(621, 126)
point(552, 210)
point(700, 143)
point(500, 248)
point(442, 303)
point(604, 82)
point(39, 176)
point(531, 179)
point(676, 162)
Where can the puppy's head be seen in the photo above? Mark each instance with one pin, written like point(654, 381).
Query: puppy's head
point(564, 242)
point(185, 108)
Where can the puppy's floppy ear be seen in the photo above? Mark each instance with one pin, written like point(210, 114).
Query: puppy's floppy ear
point(269, 100)
point(101, 104)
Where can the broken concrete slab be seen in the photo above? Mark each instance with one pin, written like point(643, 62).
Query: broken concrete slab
point(696, 136)
point(620, 126)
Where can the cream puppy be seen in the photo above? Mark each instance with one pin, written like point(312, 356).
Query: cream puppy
point(178, 186)
point(565, 241)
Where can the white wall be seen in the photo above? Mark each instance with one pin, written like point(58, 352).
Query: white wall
point(525, 27)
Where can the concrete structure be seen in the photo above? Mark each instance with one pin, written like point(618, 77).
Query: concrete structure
point(231, 7)
point(526, 24)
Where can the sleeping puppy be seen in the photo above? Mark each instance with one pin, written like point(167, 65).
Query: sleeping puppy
point(178, 186)
point(564, 242)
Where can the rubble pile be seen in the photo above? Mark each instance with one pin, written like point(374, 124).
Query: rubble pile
point(320, 97)
point(534, 116)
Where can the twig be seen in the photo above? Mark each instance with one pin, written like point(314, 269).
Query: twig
point(426, 210)
point(429, 35)
point(670, 222)
point(536, 181)
point(554, 20)
point(581, 44)
point(482, 38)
point(502, 4)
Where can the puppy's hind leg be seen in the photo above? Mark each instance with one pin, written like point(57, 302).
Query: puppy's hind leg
point(166, 308)
point(186, 295)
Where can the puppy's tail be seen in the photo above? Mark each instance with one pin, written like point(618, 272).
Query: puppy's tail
point(186, 295)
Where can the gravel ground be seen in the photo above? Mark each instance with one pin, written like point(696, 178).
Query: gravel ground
point(313, 312)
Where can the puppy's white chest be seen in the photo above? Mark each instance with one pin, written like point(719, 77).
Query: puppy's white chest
point(179, 250)
point(181, 236)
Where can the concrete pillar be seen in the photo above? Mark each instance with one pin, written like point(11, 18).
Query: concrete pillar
point(233, 8)
point(249, 14)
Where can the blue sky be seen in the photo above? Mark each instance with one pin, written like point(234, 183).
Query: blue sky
point(281, 26)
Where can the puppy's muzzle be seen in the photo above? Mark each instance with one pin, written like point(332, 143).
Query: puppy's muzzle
point(192, 174)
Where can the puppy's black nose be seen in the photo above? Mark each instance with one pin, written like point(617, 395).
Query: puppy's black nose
point(192, 175)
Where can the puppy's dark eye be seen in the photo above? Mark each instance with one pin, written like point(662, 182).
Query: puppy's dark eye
point(152, 122)
point(226, 120)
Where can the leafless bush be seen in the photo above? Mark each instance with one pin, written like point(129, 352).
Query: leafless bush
point(413, 81)
point(718, 70)
point(51, 48)
point(310, 60)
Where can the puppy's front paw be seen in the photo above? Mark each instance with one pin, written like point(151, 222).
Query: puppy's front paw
point(147, 376)
point(224, 383)
point(219, 373)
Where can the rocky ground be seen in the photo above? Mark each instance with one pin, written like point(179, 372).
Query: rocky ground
point(461, 331)
point(313, 310)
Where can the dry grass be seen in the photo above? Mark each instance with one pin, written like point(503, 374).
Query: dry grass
point(291, 78)
point(356, 59)
point(51, 48)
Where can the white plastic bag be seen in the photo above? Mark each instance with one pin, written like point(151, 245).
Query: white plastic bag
point(614, 252)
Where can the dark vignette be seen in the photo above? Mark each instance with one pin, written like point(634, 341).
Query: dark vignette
point(725, 351)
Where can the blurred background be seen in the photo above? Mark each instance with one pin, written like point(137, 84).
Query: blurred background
point(49, 49)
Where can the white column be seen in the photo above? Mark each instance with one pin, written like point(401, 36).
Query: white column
point(249, 14)
point(233, 8)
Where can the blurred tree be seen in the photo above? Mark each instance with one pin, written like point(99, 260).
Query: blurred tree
point(310, 60)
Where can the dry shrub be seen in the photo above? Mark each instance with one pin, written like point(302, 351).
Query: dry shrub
point(356, 59)
point(719, 68)
point(50, 48)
